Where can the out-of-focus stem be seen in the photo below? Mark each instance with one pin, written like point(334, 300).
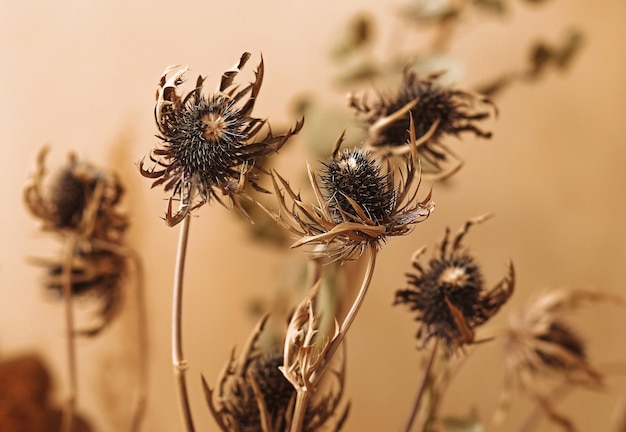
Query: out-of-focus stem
point(142, 348)
point(70, 334)
point(178, 359)
point(422, 389)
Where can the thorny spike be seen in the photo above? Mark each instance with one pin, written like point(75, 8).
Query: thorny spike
point(229, 75)
point(337, 145)
point(477, 220)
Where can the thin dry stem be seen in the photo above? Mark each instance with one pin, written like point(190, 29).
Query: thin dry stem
point(347, 322)
point(70, 334)
point(422, 388)
point(302, 398)
point(178, 359)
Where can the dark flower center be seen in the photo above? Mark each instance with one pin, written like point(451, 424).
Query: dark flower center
point(68, 198)
point(276, 389)
point(433, 103)
point(354, 174)
point(208, 138)
point(456, 280)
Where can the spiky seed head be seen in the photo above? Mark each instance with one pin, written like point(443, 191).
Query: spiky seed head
point(210, 144)
point(448, 295)
point(355, 174)
point(455, 280)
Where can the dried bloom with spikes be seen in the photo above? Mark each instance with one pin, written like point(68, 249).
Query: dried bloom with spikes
point(80, 204)
point(80, 199)
point(253, 395)
point(361, 202)
point(544, 356)
point(449, 296)
point(438, 111)
point(210, 143)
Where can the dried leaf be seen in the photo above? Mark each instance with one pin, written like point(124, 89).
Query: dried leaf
point(496, 7)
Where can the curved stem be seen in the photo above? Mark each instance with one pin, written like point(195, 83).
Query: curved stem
point(178, 359)
point(70, 334)
point(367, 278)
point(347, 322)
point(422, 389)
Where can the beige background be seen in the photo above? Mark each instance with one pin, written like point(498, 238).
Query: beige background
point(81, 76)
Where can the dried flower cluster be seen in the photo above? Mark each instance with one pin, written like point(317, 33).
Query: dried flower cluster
point(449, 295)
point(211, 147)
point(80, 204)
point(437, 111)
point(210, 144)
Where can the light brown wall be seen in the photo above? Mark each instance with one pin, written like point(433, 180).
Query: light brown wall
point(81, 76)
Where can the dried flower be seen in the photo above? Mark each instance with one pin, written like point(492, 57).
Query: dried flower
point(361, 202)
point(80, 199)
point(209, 143)
point(437, 111)
point(252, 394)
point(80, 204)
point(544, 354)
point(449, 296)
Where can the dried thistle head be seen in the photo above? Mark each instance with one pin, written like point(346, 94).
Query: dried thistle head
point(79, 198)
point(361, 201)
point(438, 111)
point(543, 352)
point(80, 203)
point(210, 143)
point(252, 394)
point(449, 295)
